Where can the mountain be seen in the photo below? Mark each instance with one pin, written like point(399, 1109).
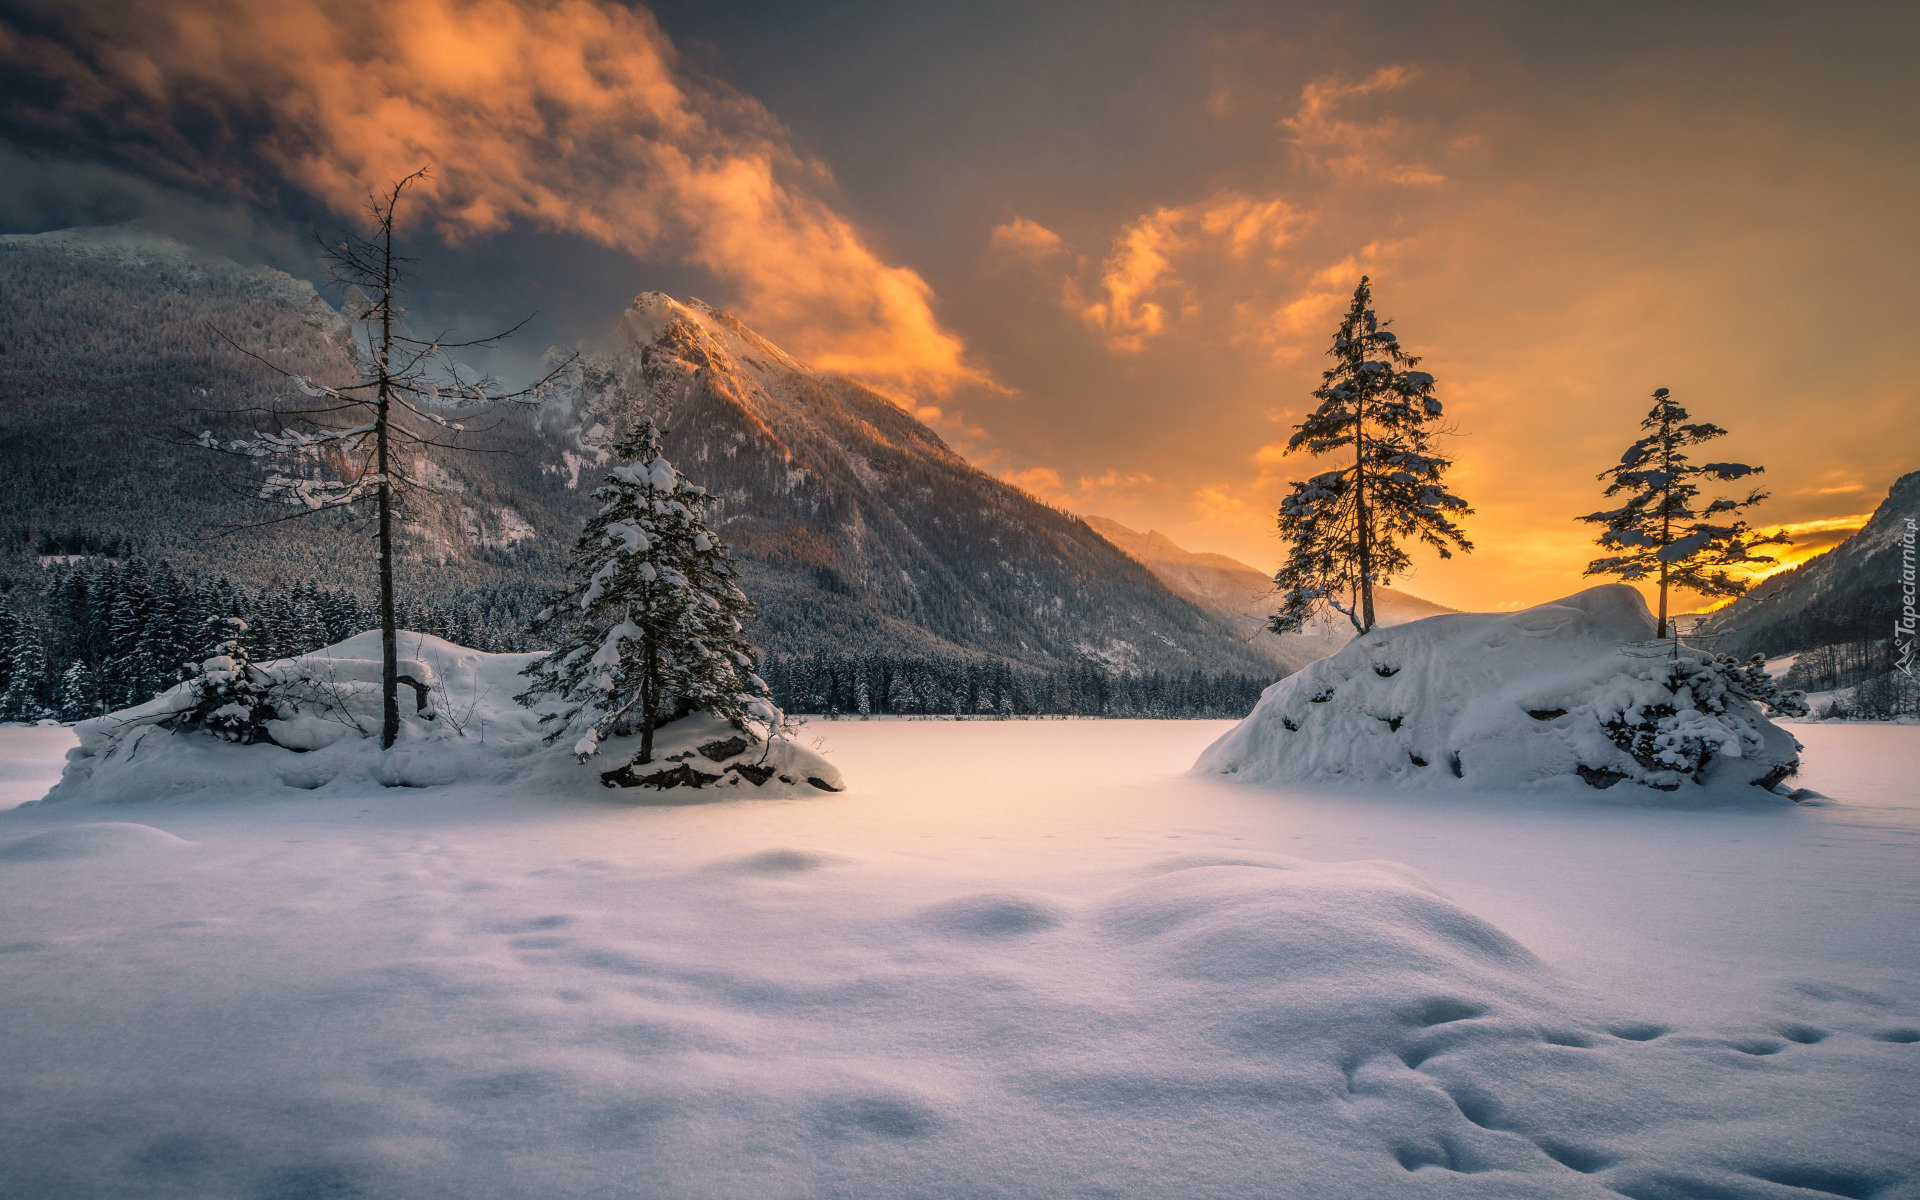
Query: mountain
point(1851, 593)
point(1245, 597)
point(115, 344)
point(859, 527)
point(859, 530)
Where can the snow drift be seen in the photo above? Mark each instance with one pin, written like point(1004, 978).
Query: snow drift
point(1568, 692)
point(459, 724)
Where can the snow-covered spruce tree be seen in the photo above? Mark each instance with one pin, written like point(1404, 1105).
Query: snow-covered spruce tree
point(1345, 526)
point(649, 627)
point(1658, 533)
point(9, 631)
point(25, 697)
point(232, 699)
point(341, 451)
point(79, 696)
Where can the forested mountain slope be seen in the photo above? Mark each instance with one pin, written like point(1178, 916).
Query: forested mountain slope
point(1849, 594)
point(115, 343)
point(861, 527)
point(860, 531)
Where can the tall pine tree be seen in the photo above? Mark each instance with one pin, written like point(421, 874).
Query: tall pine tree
point(649, 629)
point(9, 633)
point(24, 699)
point(1345, 525)
point(1658, 533)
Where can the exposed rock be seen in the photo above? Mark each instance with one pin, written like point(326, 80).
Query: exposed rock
point(1600, 777)
point(729, 761)
point(721, 751)
point(671, 777)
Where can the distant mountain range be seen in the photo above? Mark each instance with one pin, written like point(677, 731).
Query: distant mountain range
point(1850, 593)
point(859, 529)
point(1244, 596)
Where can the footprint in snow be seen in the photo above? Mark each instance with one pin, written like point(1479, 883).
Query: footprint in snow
point(993, 915)
point(776, 863)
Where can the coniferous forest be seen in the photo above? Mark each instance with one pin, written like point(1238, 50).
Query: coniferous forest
point(94, 635)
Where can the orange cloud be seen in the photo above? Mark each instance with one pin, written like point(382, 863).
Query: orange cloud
point(1323, 137)
point(573, 115)
point(1043, 482)
point(1046, 484)
point(1218, 505)
point(1027, 239)
point(1138, 281)
point(1306, 321)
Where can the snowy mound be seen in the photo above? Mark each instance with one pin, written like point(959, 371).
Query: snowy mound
point(459, 723)
point(1569, 692)
point(96, 839)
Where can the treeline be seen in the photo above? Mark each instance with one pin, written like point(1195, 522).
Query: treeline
point(94, 637)
point(1864, 676)
point(864, 684)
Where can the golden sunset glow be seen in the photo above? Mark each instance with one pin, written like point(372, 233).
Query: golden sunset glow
point(1125, 314)
point(571, 116)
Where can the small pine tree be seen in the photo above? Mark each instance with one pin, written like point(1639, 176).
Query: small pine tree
point(9, 633)
point(24, 699)
point(79, 695)
point(1659, 534)
point(1342, 525)
point(651, 624)
point(232, 699)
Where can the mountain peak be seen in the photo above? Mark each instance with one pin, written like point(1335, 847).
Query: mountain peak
point(860, 528)
point(653, 316)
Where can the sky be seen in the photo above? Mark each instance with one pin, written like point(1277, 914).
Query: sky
point(1101, 248)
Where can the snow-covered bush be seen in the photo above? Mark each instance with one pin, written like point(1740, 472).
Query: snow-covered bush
point(1675, 716)
point(1576, 690)
point(226, 695)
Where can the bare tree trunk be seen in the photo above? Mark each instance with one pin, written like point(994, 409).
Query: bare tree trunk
point(1663, 600)
point(649, 699)
point(1360, 514)
point(1666, 518)
point(389, 637)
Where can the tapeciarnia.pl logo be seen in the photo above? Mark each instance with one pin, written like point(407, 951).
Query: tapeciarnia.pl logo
point(1904, 637)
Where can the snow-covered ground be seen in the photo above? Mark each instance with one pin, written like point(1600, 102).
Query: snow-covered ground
point(1015, 959)
point(30, 760)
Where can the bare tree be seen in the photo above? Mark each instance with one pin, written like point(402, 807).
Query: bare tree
point(341, 452)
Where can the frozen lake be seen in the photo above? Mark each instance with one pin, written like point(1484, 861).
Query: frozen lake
point(1017, 958)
